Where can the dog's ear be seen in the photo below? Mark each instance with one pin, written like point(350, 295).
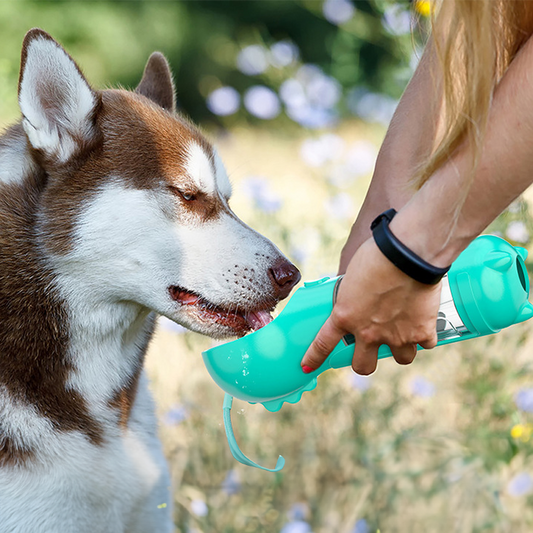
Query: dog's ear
point(157, 84)
point(58, 105)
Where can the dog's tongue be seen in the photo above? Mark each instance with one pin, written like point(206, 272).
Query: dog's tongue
point(187, 298)
point(258, 319)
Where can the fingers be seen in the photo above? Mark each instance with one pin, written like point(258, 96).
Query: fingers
point(404, 354)
point(327, 338)
point(365, 358)
point(431, 341)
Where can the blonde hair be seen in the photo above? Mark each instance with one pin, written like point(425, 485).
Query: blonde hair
point(475, 41)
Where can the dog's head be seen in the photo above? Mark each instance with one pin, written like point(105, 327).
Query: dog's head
point(135, 202)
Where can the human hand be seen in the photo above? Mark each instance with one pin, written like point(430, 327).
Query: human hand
point(378, 304)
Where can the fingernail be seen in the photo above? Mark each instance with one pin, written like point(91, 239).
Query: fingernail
point(307, 369)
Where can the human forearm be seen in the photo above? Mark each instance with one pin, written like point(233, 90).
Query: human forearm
point(408, 141)
point(504, 172)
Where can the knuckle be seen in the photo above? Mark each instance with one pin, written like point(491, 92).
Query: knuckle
point(429, 342)
point(368, 336)
point(428, 337)
point(341, 318)
point(430, 331)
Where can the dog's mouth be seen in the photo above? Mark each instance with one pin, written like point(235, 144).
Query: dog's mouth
point(239, 321)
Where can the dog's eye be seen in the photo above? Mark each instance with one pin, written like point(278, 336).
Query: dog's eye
point(186, 195)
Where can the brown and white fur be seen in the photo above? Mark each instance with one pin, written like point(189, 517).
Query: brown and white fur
point(113, 209)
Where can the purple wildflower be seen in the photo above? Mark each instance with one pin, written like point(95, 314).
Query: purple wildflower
point(524, 400)
point(520, 485)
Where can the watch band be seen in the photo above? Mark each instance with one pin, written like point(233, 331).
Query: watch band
point(401, 256)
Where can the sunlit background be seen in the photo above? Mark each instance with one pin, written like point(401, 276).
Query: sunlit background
point(297, 96)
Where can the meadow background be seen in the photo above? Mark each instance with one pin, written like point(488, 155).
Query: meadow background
point(297, 96)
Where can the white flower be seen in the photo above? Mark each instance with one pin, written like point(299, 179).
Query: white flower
point(317, 152)
point(397, 20)
point(515, 207)
point(252, 60)
point(292, 93)
point(310, 155)
point(362, 158)
point(199, 508)
point(283, 53)
point(422, 387)
point(340, 206)
point(258, 189)
point(311, 96)
point(517, 231)
point(338, 11)
point(224, 101)
point(372, 107)
point(262, 102)
point(308, 72)
point(323, 91)
point(296, 526)
point(360, 161)
point(312, 117)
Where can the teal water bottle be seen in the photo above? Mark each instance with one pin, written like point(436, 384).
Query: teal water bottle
point(485, 290)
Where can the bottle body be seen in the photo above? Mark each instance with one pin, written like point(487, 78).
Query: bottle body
point(450, 328)
point(485, 290)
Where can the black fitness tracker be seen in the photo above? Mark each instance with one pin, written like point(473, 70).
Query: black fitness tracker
point(401, 256)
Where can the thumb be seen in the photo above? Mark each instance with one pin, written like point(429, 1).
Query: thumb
point(327, 338)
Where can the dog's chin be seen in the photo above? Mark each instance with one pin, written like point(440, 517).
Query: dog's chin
point(202, 316)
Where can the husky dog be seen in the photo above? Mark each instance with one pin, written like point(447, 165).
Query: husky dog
point(113, 209)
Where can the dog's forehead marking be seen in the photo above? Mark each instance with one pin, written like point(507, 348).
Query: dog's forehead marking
point(182, 153)
point(199, 166)
point(223, 182)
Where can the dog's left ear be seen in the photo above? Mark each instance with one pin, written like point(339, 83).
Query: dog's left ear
point(57, 103)
point(157, 84)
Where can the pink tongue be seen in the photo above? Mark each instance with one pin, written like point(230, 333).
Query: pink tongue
point(258, 319)
point(188, 298)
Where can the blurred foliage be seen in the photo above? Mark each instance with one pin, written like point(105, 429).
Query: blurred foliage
point(366, 46)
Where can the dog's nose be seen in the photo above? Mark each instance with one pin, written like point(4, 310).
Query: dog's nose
point(285, 276)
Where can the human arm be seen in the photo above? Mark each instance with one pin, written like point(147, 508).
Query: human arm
point(390, 307)
point(407, 142)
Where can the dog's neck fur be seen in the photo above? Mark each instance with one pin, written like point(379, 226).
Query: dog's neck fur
point(76, 364)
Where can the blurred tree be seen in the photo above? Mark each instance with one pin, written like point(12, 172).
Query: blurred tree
point(333, 52)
